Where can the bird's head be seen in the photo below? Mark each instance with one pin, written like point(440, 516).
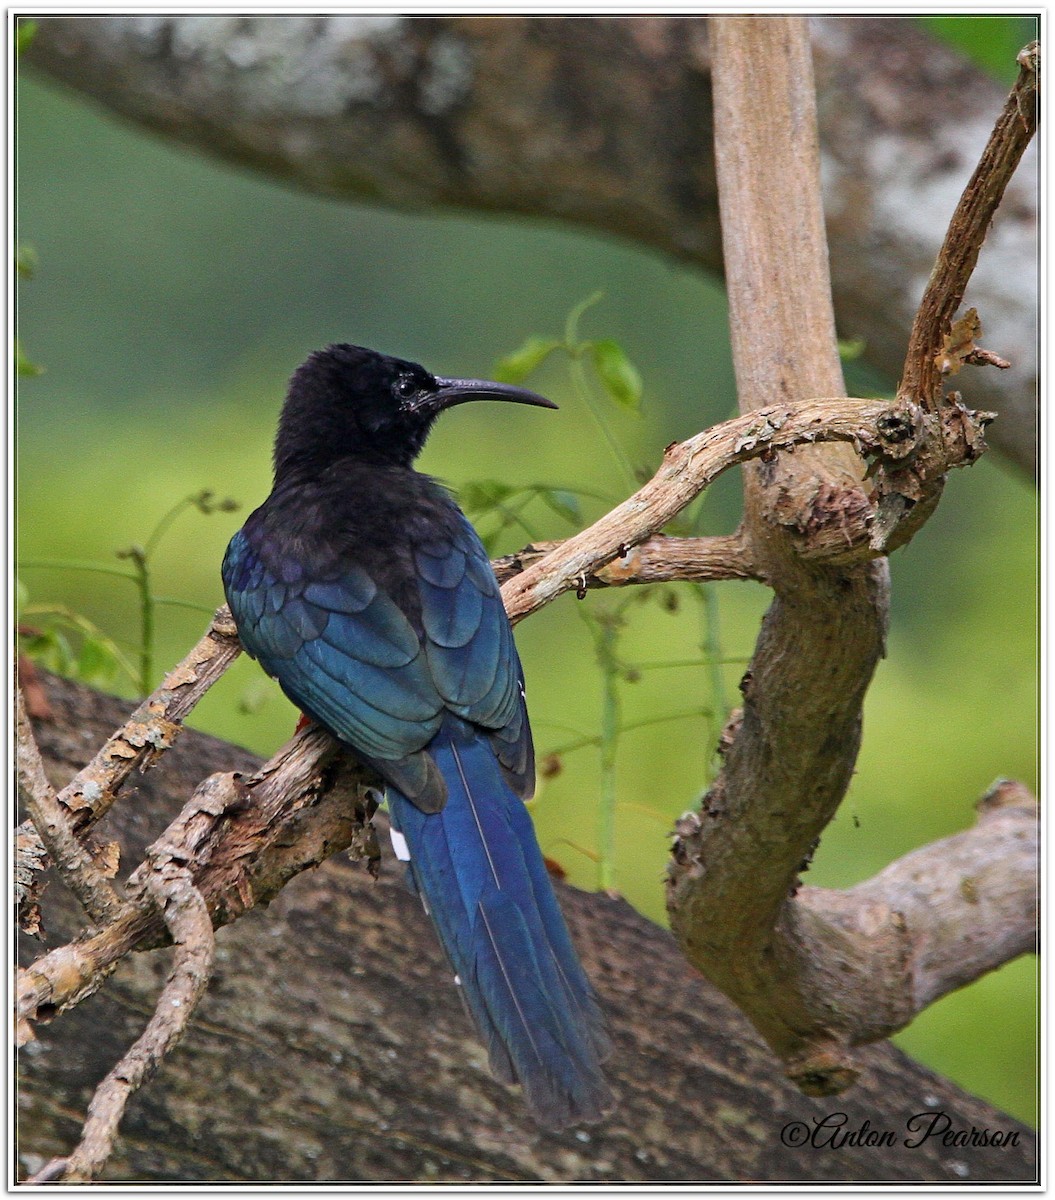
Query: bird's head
point(349, 402)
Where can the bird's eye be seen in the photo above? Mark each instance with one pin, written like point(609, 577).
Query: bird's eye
point(406, 387)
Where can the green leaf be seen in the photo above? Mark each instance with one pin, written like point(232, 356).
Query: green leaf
point(23, 366)
point(25, 32)
point(564, 504)
point(484, 495)
point(617, 373)
point(851, 348)
point(516, 367)
point(21, 599)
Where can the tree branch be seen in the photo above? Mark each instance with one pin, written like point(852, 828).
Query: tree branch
point(72, 860)
point(855, 966)
point(948, 912)
point(921, 378)
point(186, 917)
point(813, 983)
point(837, 527)
point(150, 730)
point(793, 753)
point(658, 559)
point(432, 112)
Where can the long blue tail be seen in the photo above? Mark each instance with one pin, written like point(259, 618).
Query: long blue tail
point(479, 871)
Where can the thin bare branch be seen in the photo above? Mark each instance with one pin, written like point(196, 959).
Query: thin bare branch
point(987, 358)
point(921, 378)
point(153, 726)
point(658, 559)
point(31, 860)
point(72, 860)
point(51, 1172)
point(171, 887)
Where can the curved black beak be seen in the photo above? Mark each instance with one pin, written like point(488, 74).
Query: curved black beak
point(460, 391)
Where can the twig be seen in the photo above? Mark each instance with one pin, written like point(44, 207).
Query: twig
point(51, 1172)
point(658, 559)
point(183, 909)
point(72, 860)
point(153, 726)
point(987, 358)
point(921, 379)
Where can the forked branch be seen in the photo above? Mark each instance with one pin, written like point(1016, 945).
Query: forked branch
point(819, 972)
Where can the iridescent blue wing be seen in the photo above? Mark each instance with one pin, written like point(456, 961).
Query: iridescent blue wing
point(345, 654)
point(469, 646)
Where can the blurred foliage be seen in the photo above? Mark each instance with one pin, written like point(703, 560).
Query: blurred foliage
point(100, 659)
point(173, 297)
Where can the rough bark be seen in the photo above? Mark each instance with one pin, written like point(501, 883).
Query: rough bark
point(602, 122)
point(331, 1045)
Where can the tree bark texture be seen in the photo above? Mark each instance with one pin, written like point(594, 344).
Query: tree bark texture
point(332, 1044)
point(601, 122)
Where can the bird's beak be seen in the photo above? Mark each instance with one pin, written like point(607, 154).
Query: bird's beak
point(461, 391)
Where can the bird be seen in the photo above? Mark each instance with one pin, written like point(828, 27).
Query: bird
point(362, 588)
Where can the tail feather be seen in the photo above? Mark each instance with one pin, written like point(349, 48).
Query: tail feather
point(567, 959)
point(479, 870)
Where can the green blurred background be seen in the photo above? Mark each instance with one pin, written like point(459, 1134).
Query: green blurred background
point(171, 300)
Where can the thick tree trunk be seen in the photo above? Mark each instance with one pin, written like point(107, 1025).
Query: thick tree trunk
point(333, 1046)
point(602, 122)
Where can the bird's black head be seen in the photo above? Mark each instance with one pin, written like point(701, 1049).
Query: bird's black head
point(349, 402)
